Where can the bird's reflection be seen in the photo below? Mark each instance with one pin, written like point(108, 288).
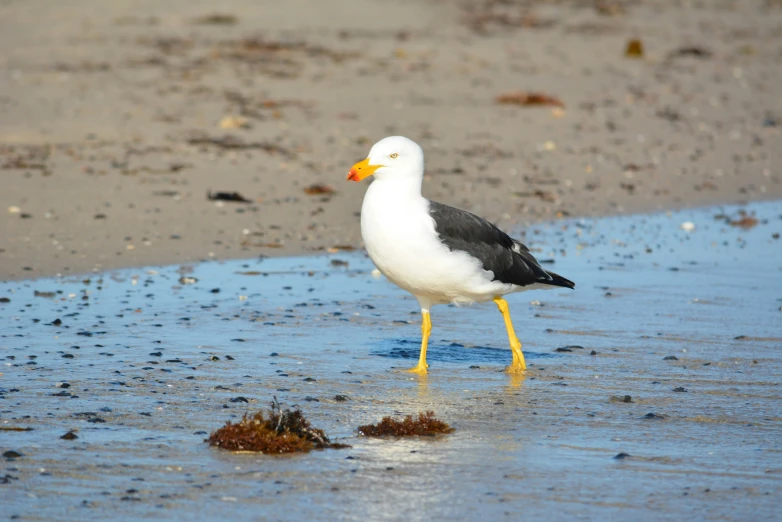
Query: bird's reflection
point(423, 387)
point(515, 380)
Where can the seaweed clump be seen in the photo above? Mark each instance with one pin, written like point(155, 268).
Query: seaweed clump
point(277, 433)
point(425, 424)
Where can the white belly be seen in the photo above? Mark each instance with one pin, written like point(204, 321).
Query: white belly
point(401, 240)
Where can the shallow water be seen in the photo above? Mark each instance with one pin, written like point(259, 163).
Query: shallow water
point(155, 364)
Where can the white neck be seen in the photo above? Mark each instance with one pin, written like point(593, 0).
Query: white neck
point(407, 188)
point(388, 200)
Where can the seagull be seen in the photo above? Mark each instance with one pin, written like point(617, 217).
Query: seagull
point(440, 254)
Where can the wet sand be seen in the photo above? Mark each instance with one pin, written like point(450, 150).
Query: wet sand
point(117, 118)
point(665, 407)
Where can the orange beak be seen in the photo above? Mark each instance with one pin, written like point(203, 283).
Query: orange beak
point(361, 170)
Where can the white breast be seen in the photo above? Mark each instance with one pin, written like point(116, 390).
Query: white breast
point(400, 237)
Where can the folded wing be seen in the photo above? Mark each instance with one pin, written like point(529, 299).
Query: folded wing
point(509, 260)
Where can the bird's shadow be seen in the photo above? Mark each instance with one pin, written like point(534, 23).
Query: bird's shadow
point(447, 352)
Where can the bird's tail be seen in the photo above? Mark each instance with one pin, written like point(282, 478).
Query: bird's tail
point(558, 280)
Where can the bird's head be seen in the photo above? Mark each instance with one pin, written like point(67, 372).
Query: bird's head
point(392, 157)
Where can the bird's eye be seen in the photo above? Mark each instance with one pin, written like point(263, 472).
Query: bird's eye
point(394, 155)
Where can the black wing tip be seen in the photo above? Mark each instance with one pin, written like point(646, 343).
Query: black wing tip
point(558, 280)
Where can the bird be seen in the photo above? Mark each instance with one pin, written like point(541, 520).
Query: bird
point(438, 253)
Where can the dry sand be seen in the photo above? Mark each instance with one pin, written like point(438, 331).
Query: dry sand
point(111, 136)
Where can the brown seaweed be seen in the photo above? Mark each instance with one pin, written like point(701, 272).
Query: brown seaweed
point(425, 424)
point(276, 433)
point(529, 99)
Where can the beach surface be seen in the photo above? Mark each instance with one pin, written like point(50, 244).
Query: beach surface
point(652, 391)
point(117, 119)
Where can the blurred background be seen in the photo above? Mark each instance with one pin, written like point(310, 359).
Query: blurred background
point(146, 132)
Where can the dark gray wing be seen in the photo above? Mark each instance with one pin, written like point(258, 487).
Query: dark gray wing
point(510, 261)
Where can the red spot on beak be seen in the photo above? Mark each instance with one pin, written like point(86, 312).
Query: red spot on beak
point(361, 170)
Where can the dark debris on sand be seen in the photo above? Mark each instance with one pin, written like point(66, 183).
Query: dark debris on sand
point(425, 424)
point(277, 433)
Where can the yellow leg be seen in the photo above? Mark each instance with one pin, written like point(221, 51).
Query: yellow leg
point(426, 329)
point(517, 365)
